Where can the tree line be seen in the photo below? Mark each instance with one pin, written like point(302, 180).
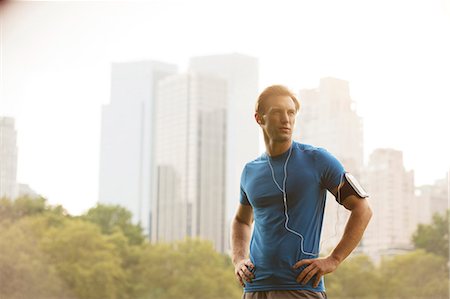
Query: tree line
point(46, 253)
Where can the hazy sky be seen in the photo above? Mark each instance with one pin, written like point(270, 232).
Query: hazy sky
point(56, 61)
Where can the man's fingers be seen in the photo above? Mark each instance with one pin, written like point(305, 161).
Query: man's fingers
point(242, 276)
point(240, 280)
point(247, 269)
point(317, 280)
point(315, 270)
point(247, 275)
point(250, 264)
point(305, 271)
point(301, 263)
point(244, 272)
point(309, 275)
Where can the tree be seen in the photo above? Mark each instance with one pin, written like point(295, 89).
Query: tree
point(201, 272)
point(356, 278)
point(25, 206)
point(434, 237)
point(186, 269)
point(114, 217)
point(88, 262)
point(416, 274)
point(24, 268)
point(46, 253)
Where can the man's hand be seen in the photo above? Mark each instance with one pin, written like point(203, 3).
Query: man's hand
point(242, 272)
point(316, 267)
point(354, 229)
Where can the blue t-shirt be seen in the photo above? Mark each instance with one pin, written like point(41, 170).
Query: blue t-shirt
point(311, 171)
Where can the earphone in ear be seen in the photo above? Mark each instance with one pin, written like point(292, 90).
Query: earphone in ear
point(259, 118)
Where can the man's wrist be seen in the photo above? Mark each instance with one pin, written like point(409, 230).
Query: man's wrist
point(336, 258)
point(237, 260)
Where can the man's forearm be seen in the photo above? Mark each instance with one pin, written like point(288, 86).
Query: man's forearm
point(240, 239)
point(354, 230)
point(356, 224)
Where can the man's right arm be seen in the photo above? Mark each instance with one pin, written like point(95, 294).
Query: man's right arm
point(241, 228)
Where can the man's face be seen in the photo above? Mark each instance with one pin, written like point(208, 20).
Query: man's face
point(278, 119)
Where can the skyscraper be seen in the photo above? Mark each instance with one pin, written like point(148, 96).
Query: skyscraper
point(8, 158)
point(432, 199)
point(328, 119)
point(191, 159)
point(127, 146)
point(392, 187)
point(241, 74)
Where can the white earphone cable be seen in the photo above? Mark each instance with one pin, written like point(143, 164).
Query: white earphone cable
point(283, 191)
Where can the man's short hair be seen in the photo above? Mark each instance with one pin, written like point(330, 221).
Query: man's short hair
point(275, 90)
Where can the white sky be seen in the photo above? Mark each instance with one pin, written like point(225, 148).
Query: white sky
point(56, 56)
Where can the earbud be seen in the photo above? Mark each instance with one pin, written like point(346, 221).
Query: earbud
point(259, 118)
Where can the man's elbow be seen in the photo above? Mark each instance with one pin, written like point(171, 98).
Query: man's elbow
point(366, 211)
point(362, 208)
point(240, 222)
point(234, 222)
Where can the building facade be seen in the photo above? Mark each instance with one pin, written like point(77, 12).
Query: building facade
point(432, 199)
point(394, 210)
point(8, 158)
point(126, 173)
point(328, 118)
point(241, 73)
point(191, 153)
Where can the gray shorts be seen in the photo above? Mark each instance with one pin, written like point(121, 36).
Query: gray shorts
point(288, 294)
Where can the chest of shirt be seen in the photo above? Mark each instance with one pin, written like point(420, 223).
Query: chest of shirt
point(302, 183)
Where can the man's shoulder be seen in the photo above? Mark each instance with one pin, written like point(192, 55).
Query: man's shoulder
point(259, 160)
point(253, 166)
point(315, 153)
point(308, 148)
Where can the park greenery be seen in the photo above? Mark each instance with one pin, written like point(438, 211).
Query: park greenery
point(46, 253)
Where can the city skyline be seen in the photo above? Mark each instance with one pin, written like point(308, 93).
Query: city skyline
point(394, 221)
point(127, 151)
point(191, 159)
point(397, 71)
point(241, 72)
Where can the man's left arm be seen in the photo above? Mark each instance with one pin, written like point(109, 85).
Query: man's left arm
point(354, 229)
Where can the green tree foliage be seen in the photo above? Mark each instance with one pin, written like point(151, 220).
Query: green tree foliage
point(45, 253)
point(356, 278)
point(414, 275)
point(111, 218)
point(26, 206)
point(188, 269)
point(88, 262)
point(116, 222)
point(24, 269)
point(434, 237)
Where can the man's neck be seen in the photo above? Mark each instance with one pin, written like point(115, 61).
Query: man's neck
point(277, 148)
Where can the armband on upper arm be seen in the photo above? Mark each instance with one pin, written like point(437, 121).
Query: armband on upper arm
point(351, 187)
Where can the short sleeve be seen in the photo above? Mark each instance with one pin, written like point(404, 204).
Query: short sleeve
point(243, 196)
point(331, 170)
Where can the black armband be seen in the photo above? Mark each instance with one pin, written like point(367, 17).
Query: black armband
point(351, 187)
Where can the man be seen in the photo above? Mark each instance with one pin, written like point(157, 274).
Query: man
point(284, 191)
